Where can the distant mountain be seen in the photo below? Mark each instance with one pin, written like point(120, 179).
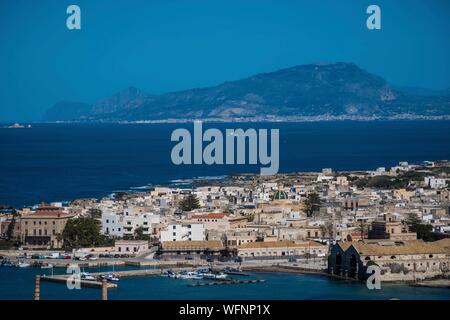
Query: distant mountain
point(65, 110)
point(322, 91)
point(423, 91)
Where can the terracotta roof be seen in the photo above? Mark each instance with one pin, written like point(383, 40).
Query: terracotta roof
point(407, 247)
point(192, 245)
point(209, 216)
point(48, 214)
point(44, 206)
point(278, 244)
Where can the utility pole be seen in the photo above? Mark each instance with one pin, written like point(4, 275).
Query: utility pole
point(104, 290)
point(37, 288)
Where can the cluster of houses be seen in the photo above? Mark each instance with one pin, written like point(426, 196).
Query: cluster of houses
point(256, 217)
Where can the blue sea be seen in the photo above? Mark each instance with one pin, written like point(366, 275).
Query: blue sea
point(59, 162)
point(18, 284)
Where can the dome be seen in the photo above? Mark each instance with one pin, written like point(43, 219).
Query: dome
point(280, 195)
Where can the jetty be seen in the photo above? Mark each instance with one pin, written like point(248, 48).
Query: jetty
point(213, 283)
point(83, 283)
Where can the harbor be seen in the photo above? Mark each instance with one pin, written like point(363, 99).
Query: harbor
point(18, 284)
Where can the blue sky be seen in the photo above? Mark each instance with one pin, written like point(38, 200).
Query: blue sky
point(168, 45)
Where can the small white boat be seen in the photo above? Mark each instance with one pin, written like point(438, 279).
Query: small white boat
point(109, 277)
point(189, 275)
point(47, 266)
point(220, 276)
point(23, 265)
point(214, 275)
point(170, 274)
point(86, 276)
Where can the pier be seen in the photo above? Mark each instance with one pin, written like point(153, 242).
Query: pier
point(83, 283)
point(213, 283)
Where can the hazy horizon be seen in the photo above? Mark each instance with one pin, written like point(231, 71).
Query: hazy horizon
point(160, 47)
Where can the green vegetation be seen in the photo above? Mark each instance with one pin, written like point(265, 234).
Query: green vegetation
point(11, 226)
point(327, 230)
point(83, 232)
point(190, 203)
point(312, 203)
point(424, 231)
point(95, 213)
point(382, 182)
point(139, 234)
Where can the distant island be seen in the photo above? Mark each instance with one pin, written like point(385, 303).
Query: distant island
point(17, 126)
point(314, 92)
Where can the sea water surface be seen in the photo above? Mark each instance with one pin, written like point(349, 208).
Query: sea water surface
point(60, 162)
point(18, 284)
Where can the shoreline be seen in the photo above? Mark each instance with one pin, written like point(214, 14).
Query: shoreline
point(299, 120)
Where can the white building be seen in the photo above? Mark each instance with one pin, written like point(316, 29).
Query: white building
point(112, 224)
point(435, 183)
point(146, 220)
point(183, 232)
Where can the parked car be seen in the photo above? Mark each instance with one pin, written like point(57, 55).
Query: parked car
point(238, 259)
point(189, 258)
point(210, 259)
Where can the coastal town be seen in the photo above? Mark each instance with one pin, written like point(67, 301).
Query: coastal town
point(328, 222)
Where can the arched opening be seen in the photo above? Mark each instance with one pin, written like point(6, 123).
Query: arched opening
point(338, 263)
point(353, 264)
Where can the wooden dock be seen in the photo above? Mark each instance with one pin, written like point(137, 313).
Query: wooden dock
point(213, 283)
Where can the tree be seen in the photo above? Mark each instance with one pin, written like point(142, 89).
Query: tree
point(95, 213)
point(10, 230)
point(327, 230)
point(190, 203)
point(424, 231)
point(139, 234)
point(11, 226)
point(312, 203)
point(83, 232)
point(363, 228)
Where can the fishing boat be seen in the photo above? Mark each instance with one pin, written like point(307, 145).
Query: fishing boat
point(169, 274)
point(8, 263)
point(23, 265)
point(189, 275)
point(87, 276)
point(218, 276)
point(109, 277)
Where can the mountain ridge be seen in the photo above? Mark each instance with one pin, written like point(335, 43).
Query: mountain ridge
point(324, 90)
